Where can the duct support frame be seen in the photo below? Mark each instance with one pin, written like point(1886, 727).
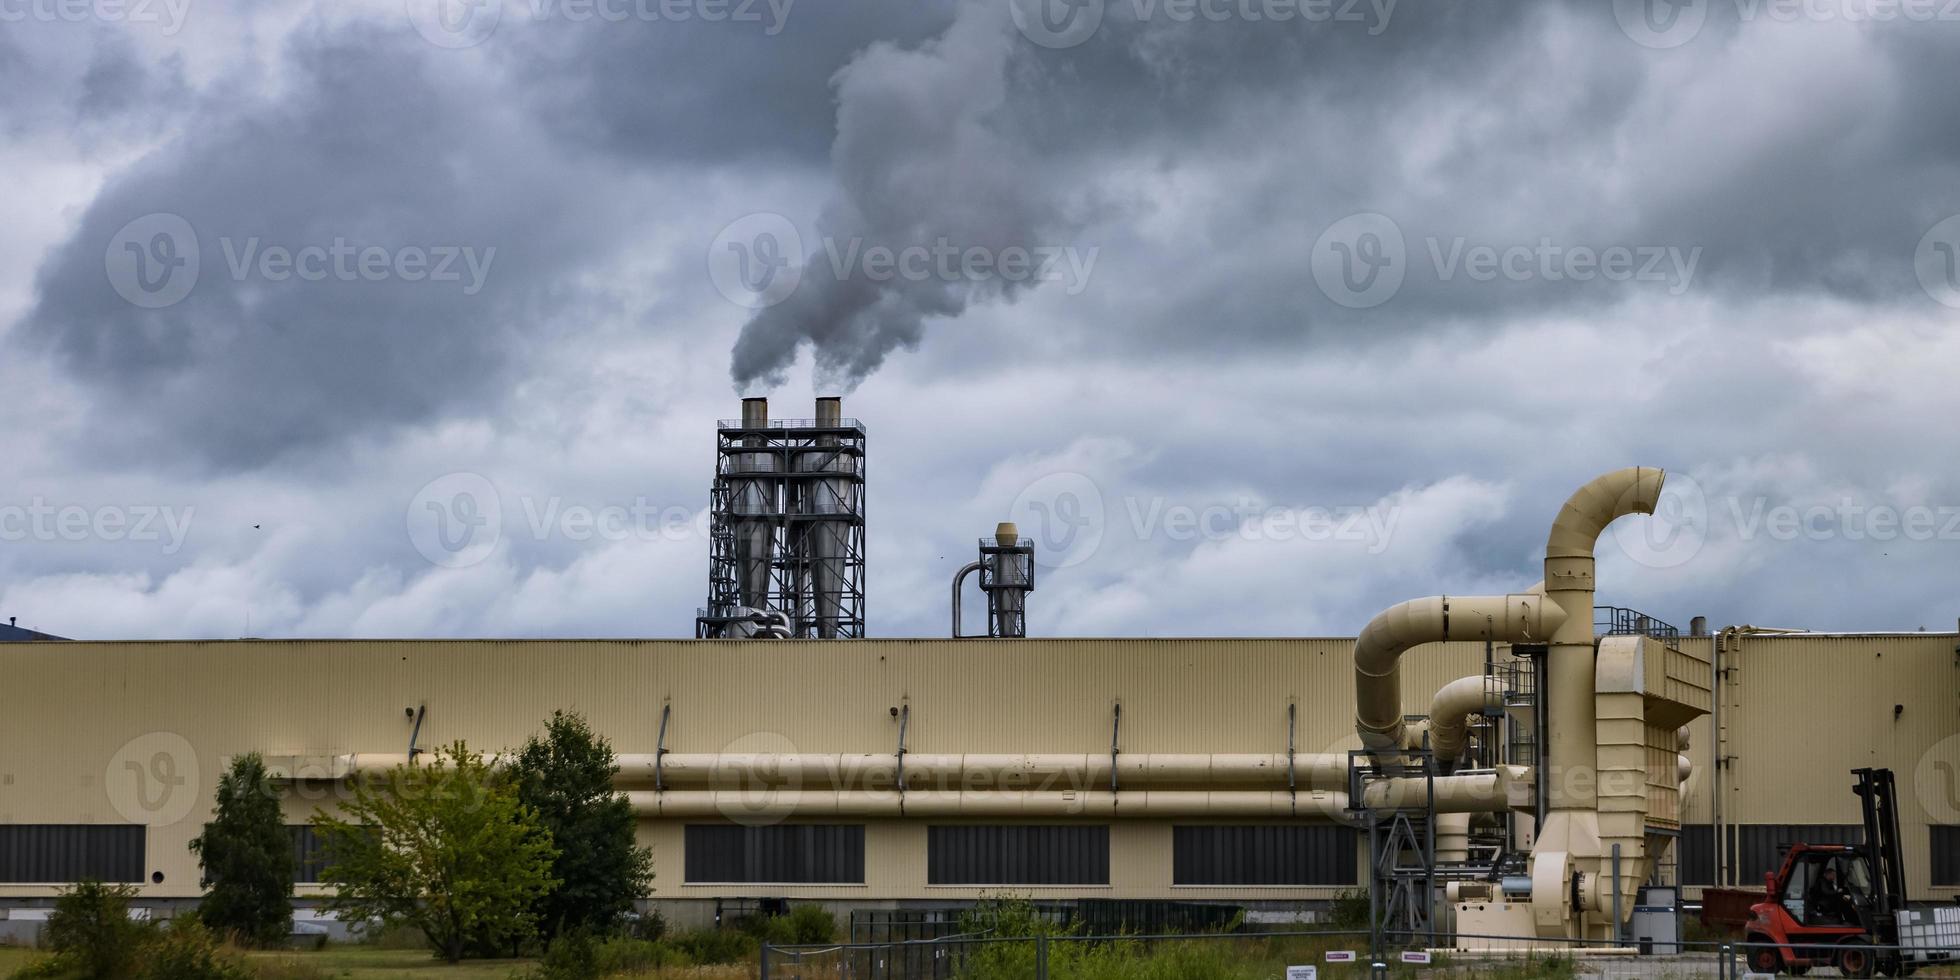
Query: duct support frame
point(787, 524)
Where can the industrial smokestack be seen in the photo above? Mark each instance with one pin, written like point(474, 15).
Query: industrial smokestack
point(786, 526)
point(753, 504)
point(830, 504)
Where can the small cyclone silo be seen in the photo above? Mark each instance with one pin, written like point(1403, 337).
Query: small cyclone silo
point(1006, 567)
point(1009, 579)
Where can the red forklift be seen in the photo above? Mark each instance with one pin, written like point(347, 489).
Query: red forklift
point(1841, 904)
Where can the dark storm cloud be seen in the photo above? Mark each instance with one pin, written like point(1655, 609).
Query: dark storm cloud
point(473, 222)
point(86, 82)
point(657, 90)
point(1541, 132)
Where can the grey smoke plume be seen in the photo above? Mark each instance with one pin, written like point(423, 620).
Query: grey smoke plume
point(922, 159)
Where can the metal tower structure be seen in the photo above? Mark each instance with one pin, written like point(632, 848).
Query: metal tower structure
point(786, 526)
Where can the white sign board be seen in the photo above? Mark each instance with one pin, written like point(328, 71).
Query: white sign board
point(1303, 973)
point(1340, 956)
point(1413, 956)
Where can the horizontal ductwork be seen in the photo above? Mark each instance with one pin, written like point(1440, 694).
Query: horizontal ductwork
point(1327, 770)
point(1467, 793)
point(1378, 651)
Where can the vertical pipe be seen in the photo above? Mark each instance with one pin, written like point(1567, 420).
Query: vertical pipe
point(754, 495)
point(827, 498)
point(1618, 936)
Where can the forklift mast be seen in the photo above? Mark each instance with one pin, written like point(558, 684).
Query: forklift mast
point(1880, 800)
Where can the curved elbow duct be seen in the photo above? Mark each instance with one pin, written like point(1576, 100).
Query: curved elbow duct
point(1378, 651)
point(1568, 698)
point(959, 580)
point(1450, 711)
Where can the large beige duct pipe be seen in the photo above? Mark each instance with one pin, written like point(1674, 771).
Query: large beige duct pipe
point(1569, 582)
point(771, 806)
point(1474, 793)
point(1378, 651)
point(1451, 708)
point(1319, 771)
point(1569, 842)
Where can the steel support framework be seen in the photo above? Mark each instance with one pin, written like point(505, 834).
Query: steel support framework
point(804, 482)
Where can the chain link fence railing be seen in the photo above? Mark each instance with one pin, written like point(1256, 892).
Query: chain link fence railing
point(1311, 955)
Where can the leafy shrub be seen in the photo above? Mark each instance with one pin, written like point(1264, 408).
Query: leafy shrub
point(714, 947)
point(649, 925)
point(186, 950)
point(90, 930)
point(623, 955)
point(576, 955)
point(810, 925)
point(570, 956)
point(1349, 911)
point(93, 938)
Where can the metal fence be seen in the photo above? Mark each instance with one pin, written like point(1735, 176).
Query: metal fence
point(1332, 953)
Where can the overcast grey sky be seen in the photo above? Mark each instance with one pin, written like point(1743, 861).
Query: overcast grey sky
point(1260, 315)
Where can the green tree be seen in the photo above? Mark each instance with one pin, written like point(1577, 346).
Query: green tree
point(247, 858)
point(446, 848)
point(92, 934)
point(567, 777)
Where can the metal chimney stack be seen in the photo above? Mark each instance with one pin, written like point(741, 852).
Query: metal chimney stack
point(786, 526)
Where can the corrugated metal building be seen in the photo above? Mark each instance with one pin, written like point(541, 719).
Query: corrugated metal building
point(110, 752)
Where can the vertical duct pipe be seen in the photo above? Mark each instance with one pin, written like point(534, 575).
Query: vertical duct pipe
point(1569, 844)
point(755, 498)
point(826, 536)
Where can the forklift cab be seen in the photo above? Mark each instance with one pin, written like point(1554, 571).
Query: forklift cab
point(1802, 895)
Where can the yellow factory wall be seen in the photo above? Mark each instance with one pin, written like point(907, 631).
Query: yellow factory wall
point(109, 733)
point(139, 732)
point(1799, 712)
